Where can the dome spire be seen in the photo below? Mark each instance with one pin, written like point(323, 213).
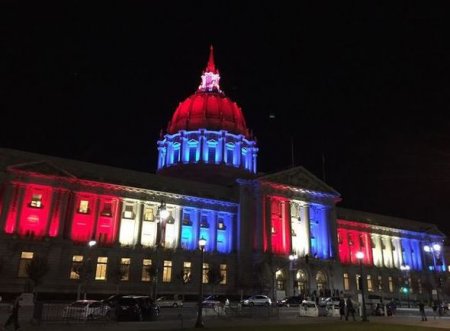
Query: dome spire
point(210, 77)
point(211, 66)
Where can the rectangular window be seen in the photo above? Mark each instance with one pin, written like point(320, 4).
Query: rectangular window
point(369, 283)
point(223, 273)
point(146, 265)
point(229, 155)
point(205, 272)
point(176, 155)
point(107, 209)
point(358, 282)
point(221, 224)
point(204, 221)
point(77, 263)
point(25, 259)
point(83, 208)
point(102, 264)
point(419, 285)
point(128, 212)
point(346, 282)
point(193, 153)
point(391, 284)
point(380, 283)
point(125, 268)
point(36, 200)
point(167, 272)
point(187, 271)
point(148, 214)
point(409, 285)
point(280, 284)
point(211, 154)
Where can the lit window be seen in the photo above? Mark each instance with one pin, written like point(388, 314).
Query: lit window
point(187, 269)
point(223, 274)
point(346, 282)
point(369, 283)
point(391, 284)
point(36, 200)
point(25, 259)
point(102, 264)
point(128, 212)
point(148, 214)
point(125, 268)
point(167, 272)
point(419, 285)
point(107, 209)
point(84, 207)
point(380, 283)
point(409, 285)
point(358, 282)
point(205, 272)
point(146, 265)
point(77, 263)
point(221, 224)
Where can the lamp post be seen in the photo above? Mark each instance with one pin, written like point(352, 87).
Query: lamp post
point(406, 290)
point(199, 323)
point(435, 250)
point(162, 215)
point(360, 257)
point(88, 268)
point(292, 259)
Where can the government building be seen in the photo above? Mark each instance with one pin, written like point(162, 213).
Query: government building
point(71, 227)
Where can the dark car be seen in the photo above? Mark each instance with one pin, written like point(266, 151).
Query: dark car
point(136, 308)
point(293, 301)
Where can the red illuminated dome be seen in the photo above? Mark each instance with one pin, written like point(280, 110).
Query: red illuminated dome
point(208, 108)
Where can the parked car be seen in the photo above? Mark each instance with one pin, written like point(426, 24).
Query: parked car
point(136, 308)
point(87, 309)
point(169, 301)
point(293, 301)
point(215, 300)
point(257, 300)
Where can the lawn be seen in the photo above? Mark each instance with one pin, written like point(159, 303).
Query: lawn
point(352, 326)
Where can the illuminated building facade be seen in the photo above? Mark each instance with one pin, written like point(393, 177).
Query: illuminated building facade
point(208, 187)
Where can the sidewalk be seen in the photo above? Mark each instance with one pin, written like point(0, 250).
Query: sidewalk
point(225, 322)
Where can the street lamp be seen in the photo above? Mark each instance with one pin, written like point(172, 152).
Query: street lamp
point(406, 269)
point(435, 250)
point(162, 215)
point(292, 259)
point(199, 323)
point(360, 257)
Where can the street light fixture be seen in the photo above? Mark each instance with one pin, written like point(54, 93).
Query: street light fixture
point(360, 257)
point(435, 250)
point(292, 259)
point(406, 269)
point(199, 323)
point(162, 215)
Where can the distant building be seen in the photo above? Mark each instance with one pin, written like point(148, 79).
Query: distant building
point(278, 234)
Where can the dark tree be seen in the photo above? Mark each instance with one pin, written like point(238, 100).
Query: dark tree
point(36, 270)
point(215, 277)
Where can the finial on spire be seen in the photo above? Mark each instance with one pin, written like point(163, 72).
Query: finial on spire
point(210, 77)
point(211, 67)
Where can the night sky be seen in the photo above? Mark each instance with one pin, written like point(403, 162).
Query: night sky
point(369, 87)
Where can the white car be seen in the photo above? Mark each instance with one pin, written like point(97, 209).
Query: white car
point(87, 309)
point(169, 301)
point(257, 300)
point(309, 308)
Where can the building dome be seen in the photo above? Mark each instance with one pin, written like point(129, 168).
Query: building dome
point(207, 138)
point(208, 108)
